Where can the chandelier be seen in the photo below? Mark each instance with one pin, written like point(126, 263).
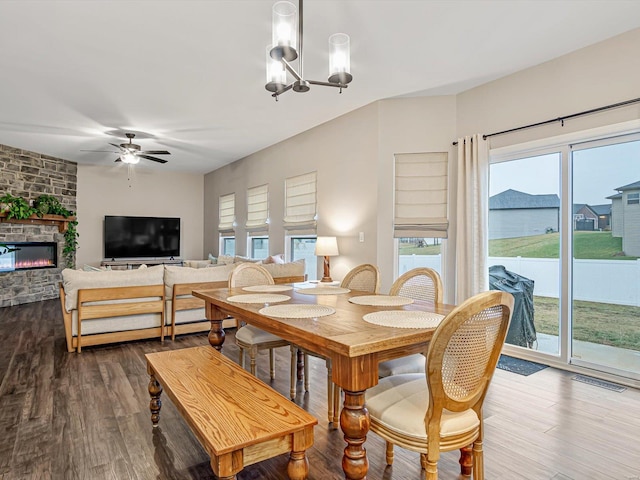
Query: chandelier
point(286, 47)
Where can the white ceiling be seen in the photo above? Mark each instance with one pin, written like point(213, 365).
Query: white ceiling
point(188, 76)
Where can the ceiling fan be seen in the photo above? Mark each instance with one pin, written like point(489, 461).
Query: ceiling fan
point(131, 153)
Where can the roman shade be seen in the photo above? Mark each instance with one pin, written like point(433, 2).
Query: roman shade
point(227, 213)
point(421, 195)
point(300, 202)
point(258, 209)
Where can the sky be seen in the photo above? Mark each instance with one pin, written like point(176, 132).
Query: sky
point(597, 172)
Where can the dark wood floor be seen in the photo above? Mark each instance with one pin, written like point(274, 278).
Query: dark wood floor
point(85, 416)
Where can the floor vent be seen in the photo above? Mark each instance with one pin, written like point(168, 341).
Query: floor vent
point(599, 383)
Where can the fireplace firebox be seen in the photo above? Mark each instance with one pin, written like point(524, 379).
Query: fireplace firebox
point(28, 256)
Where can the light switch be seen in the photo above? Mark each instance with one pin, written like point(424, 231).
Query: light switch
point(361, 237)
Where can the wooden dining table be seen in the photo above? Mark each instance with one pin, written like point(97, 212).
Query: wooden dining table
point(354, 346)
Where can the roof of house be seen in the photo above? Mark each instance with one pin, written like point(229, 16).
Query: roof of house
point(513, 199)
point(613, 197)
point(604, 209)
point(631, 186)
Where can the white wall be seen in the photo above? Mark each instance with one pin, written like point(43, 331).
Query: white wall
point(106, 191)
point(344, 154)
point(598, 75)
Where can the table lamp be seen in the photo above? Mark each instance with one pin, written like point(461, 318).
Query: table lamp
point(326, 247)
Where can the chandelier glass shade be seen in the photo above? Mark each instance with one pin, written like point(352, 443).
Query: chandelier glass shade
point(286, 46)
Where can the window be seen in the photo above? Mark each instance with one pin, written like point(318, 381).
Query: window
point(420, 210)
point(304, 247)
point(633, 198)
point(227, 212)
point(419, 252)
point(300, 202)
point(259, 247)
point(421, 195)
point(228, 245)
point(258, 208)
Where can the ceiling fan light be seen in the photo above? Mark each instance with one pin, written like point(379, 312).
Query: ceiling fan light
point(129, 158)
point(340, 58)
point(284, 31)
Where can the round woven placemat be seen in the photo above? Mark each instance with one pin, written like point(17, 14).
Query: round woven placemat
point(381, 300)
point(297, 311)
point(268, 288)
point(259, 298)
point(404, 319)
point(323, 290)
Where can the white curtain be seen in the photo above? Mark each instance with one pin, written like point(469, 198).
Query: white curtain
point(472, 245)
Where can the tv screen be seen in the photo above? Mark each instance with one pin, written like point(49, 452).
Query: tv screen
point(133, 237)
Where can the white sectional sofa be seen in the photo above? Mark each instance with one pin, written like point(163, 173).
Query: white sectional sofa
point(101, 307)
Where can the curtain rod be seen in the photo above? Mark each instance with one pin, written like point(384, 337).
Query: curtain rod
point(561, 119)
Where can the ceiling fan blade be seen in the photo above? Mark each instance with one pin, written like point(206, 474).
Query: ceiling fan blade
point(155, 152)
point(117, 146)
point(99, 151)
point(154, 159)
point(118, 159)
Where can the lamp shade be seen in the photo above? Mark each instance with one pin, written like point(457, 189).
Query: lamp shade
point(326, 246)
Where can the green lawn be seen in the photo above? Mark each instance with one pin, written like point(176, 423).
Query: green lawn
point(601, 323)
point(593, 245)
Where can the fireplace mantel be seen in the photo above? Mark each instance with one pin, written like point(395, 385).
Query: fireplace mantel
point(57, 220)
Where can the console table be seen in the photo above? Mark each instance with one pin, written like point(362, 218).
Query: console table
point(131, 264)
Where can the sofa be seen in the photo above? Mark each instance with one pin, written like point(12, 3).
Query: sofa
point(108, 306)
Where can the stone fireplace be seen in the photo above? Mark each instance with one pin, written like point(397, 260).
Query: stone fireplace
point(28, 175)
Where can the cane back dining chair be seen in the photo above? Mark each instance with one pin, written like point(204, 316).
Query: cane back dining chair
point(364, 278)
point(419, 284)
point(444, 412)
point(248, 337)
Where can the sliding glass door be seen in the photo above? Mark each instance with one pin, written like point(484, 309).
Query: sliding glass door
point(605, 307)
point(564, 231)
point(524, 246)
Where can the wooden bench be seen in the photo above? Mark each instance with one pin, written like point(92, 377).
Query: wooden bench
point(238, 419)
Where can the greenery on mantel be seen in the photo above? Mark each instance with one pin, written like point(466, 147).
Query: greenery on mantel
point(18, 208)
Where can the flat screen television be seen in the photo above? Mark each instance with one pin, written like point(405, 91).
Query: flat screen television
point(141, 237)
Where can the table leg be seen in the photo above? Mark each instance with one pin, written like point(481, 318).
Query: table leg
point(354, 421)
point(466, 460)
point(216, 334)
point(155, 390)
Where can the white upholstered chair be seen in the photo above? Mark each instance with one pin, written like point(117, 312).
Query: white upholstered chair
point(419, 284)
point(364, 278)
point(249, 337)
point(442, 411)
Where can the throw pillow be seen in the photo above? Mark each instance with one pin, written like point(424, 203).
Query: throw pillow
point(226, 259)
point(213, 259)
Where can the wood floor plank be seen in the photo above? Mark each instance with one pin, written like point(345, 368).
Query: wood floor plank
point(85, 416)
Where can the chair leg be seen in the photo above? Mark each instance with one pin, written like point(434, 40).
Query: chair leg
point(478, 461)
point(306, 372)
point(431, 466)
point(272, 364)
point(241, 356)
point(423, 461)
point(292, 387)
point(253, 353)
point(389, 453)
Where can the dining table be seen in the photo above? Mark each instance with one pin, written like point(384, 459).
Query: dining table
point(338, 331)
